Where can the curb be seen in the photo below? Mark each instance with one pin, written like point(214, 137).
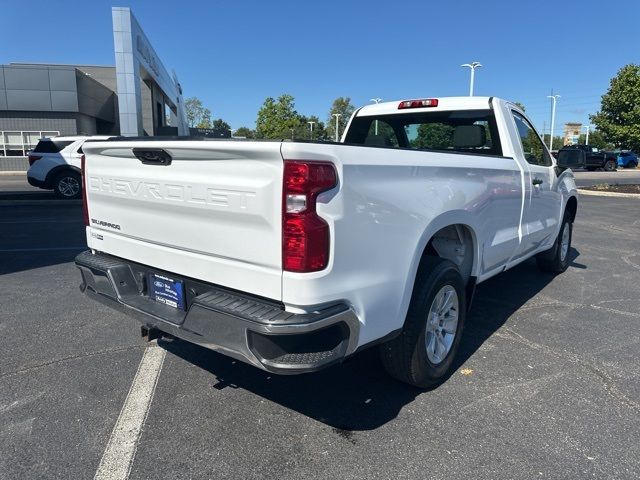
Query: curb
point(44, 202)
point(9, 173)
point(608, 194)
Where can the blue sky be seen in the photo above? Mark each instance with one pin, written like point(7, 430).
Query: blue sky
point(234, 54)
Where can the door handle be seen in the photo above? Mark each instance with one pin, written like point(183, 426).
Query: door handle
point(537, 181)
point(152, 156)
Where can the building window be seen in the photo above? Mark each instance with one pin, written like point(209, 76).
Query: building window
point(19, 143)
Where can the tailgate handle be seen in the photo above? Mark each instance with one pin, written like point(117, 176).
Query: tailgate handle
point(152, 156)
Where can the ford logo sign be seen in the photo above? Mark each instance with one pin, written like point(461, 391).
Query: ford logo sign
point(158, 283)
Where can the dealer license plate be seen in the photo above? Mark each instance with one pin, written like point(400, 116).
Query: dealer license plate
point(166, 290)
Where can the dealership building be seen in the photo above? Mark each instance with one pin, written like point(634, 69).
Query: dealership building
point(136, 97)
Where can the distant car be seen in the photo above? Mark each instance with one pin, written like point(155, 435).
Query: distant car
point(627, 159)
point(55, 165)
point(596, 158)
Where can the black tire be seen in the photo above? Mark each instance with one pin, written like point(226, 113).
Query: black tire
point(68, 185)
point(589, 169)
point(405, 357)
point(634, 165)
point(553, 260)
point(610, 166)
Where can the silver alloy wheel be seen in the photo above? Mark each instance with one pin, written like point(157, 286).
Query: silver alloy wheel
point(69, 186)
point(564, 242)
point(442, 324)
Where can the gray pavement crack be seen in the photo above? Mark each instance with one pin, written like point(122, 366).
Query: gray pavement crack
point(608, 382)
point(71, 358)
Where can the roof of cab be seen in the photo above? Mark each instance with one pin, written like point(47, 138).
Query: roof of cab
point(444, 103)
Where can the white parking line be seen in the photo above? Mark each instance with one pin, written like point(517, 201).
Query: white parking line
point(118, 457)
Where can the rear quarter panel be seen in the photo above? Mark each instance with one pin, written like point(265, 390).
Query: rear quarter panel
point(385, 209)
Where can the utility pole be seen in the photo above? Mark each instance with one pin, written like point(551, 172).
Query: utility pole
point(554, 99)
point(311, 129)
point(472, 66)
point(337, 115)
point(586, 140)
point(377, 100)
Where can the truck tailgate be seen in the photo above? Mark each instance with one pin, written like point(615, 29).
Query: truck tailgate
point(213, 212)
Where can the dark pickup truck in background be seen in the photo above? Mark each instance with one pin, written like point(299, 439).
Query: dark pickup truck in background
point(595, 158)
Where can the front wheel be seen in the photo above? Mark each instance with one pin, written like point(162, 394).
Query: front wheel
point(556, 259)
point(68, 185)
point(610, 166)
point(423, 353)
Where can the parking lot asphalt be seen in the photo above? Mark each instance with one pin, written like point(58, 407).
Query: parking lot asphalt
point(547, 385)
point(623, 176)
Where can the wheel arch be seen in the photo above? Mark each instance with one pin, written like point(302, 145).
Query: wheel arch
point(447, 224)
point(54, 172)
point(571, 207)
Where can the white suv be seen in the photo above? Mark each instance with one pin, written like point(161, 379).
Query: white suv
point(55, 165)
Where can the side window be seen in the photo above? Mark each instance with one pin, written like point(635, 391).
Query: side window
point(534, 151)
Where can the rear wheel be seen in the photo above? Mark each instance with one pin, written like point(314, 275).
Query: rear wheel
point(423, 353)
point(610, 166)
point(67, 185)
point(556, 259)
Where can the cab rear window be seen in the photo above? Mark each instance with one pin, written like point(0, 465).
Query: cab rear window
point(464, 131)
point(51, 146)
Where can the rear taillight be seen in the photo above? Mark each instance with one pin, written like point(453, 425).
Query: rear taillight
point(305, 236)
point(34, 158)
point(85, 207)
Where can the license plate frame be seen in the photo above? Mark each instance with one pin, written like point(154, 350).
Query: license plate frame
point(166, 291)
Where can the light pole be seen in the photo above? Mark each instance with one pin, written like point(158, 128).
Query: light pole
point(377, 100)
point(472, 66)
point(554, 99)
point(311, 124)
point(586, 140)
point(337, 115)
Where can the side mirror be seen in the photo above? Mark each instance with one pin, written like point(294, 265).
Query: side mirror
point(571, 159)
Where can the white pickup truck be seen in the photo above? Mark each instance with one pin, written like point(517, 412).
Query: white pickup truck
point(292, 256)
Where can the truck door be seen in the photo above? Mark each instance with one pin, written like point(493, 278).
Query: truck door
point(542, 202)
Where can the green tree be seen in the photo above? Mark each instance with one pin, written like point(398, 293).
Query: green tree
point(245, 132)
point(519, 105)
point(197, 114)
point(304, 132)
point(558, 141)
point(277, 118)
point(219, 124)
point(596, 139)
point(619, 115)
point(342, 106)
